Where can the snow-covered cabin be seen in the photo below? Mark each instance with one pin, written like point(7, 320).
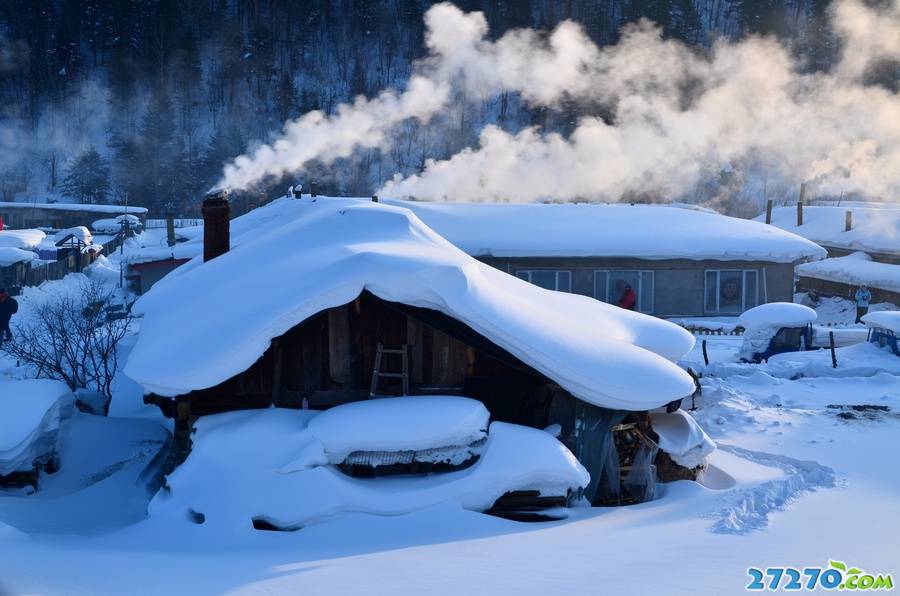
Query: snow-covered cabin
point(679, 260)
point(59, 216)
point(293, 315)
point(17, 251)
point(863, 244)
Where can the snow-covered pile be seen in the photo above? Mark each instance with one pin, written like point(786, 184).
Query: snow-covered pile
point(762, 322)
point(854, 269)
point(22, 239)
point(80, 232)
point(778, 314)
point(114, 225)
point(600, 230)
point(30, 415)
point(314, 255)
point(682, 438)
point(886, 319)
point(876, 227)
point(246, 456)
point(10, 256)
point(400, 424)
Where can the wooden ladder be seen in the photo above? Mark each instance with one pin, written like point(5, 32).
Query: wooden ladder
point(377, 374)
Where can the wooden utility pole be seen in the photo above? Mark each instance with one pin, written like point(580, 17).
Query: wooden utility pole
point(800, 204)
point(769, 211)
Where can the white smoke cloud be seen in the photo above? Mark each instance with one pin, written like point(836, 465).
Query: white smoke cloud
point(677, 114)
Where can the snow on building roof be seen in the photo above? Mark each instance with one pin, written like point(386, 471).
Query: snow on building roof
point(601, 230)
point(30, 414)
point(887, 319)
point(325, 253)
point(24, 239)
point(75, 207)
point(778, 314)
point(80, 232)
point(854, 269)
point(875, 229)
point(10, 256)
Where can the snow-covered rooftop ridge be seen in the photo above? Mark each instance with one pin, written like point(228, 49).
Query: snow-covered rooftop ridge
point(608, 230)
point(854, 269)
point(874, 228)
point(887, 319)
point(74, 207)
point(319, 254)
point(11, 256)
point(24, 239)
point(778, 314)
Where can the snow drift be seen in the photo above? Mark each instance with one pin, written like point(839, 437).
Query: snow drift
point(325, 253)
point(242, 454)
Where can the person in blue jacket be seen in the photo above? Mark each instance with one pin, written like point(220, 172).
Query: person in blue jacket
point(863, 297)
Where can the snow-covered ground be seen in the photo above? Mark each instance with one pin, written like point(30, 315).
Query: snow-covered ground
point(800, 476)
point(796, 481)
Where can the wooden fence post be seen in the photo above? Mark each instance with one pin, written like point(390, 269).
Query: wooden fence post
point(848, 221)
point(769, 211)
point(833, 355)
point(705, 355)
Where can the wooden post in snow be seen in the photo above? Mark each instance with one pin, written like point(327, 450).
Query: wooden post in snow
point(833, 355)
point(800, 204)
point(769, 211)
point(848, 221)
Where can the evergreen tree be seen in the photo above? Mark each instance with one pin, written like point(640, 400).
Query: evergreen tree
point(87, 178)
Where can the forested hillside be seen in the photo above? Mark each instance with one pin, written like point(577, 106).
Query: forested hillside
point(166, 91)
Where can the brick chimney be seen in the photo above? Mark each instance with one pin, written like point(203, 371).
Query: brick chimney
point(216, 224)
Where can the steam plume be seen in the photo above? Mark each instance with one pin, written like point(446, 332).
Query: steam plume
point(673, 115)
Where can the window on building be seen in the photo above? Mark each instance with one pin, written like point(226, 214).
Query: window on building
point(731, 291)
point(611, 287)
point(549, 279)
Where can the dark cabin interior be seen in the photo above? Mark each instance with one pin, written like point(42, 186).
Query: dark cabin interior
point(329, 359)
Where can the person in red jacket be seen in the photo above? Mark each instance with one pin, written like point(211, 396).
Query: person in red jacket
point(628, 299)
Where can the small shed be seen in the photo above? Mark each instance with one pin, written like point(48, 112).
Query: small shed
point(884, 329)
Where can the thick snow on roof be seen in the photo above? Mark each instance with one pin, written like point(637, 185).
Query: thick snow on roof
point(682, 438)
point(875, 229)
point(24, 239)
point(887, 319)
point(601, 230)
point(80, 232)
point(854, 269)
point(778, 314)
point(112, 225)
point(241, 455)
point(75, 207)
point(30, 414)
point(324, 253)
point(10, 256)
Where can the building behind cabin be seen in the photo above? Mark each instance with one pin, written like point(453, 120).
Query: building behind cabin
point(863, 244)
point(680, 261)
point(59, 216)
